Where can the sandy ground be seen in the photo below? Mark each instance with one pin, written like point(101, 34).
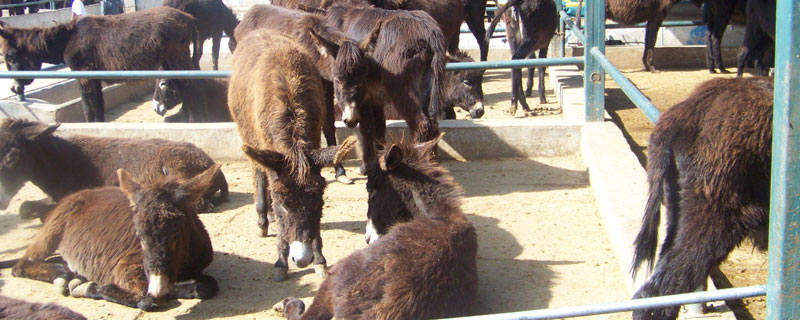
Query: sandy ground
point(745, 266)
point(541, 244)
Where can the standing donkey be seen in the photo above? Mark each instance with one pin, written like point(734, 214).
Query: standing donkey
point(136, 244)
point(276, 100)
point(423, 267)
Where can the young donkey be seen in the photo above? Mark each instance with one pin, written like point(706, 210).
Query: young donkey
point(276, 100)
point(709, 163)
point(60, 166)
point(423, 267)
point(136, 244)
point(143, 40)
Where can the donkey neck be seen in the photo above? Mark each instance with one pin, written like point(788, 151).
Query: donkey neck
point(49, 44)
point(60, 167)
point(434, 201)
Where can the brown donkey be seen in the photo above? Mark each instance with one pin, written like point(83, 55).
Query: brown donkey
point(276, 100)
point(136, 244)
point(213, 17)
point(143, 40)
point(60, 166)
point(204, 100)
point(18, 309)
point(423, 267)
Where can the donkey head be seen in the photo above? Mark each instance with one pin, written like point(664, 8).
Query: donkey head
point(350, 68)
point(297, 193)
point(165, 96)
point(393, 184)
point(25, 49)
point(464, 88)
point(17, 137)
point(162, 218)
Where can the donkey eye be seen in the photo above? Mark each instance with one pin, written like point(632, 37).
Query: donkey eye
point(467, 83)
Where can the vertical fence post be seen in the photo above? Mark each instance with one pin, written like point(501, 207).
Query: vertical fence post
point(561, 36)
point(783, 285)
point(593, 75)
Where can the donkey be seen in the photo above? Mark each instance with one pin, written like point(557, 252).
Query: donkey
point(214, 17)
point(759, 35)
point(136, 244)
point(717, 14)
point(423, 267)
point(448, 13)
point(405, 63)
point(142, 40)
point(276, 100)
point(539, 22)
point(18, 309)
point(336, 56)
point(709, 163)
point(206, 100)
point(61, 166)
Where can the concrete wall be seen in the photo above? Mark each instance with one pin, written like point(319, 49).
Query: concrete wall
point(47, 18)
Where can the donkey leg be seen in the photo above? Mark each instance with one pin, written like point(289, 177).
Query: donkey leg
point(33, 265)
point(35, 209)
point(329, 130)
point(529, 84)
point(282, 265)
point(202, 287)
point(92, 100)
point(263, 202)
point(368, 129)
point(215, 40)
point(475, 23)
point(650, 36)
point(542, 96)
point(522, 51)
point(320, 264)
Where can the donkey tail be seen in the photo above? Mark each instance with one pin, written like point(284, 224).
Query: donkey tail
point(659, 163)
point(438, 63)
point(497, 16)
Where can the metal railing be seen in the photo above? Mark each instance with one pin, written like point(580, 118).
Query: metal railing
point(28, 4)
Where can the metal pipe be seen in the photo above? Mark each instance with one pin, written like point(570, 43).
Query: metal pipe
point(784, 220)
point(54, 67)
point(621, 306)
point(575, 30)
point(594, 79)
point(559, 42)
point(688, 23)
point(627, 87)
point(138, 74)
point(466, 29)
point(25, 4)
point(521, 63)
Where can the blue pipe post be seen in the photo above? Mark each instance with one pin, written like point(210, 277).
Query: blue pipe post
point(783, 284)
point(560, 37)
point(594, 82)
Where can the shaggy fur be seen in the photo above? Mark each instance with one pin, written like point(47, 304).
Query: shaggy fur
point(539, 22)
point(421, 269)
point(276, 99)
point(143, 40)
point(213, 18)
point(717, 14)
point(21, 310)
point(406, 68)
point(60, 166)
point(119, 238)
point(709, 163)
point(204, 100)
point(759, 36)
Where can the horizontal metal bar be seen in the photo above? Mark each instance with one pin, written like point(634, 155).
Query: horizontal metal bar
point(54, 67)
point(521, 63)
point(575, 30)
point(690, 23)
point(650, 111)
point(137, 74)
point(621, 306)
point(26, 4)
point(498, 29)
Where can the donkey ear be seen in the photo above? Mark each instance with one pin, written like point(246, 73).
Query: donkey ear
point(322, 41)
point(391, 159)
point(191, 191)
point(127, 184)
point(11, 157)
point(37, 131)
point(333, 155)
point(429, 146)
point(368, 43)
point(268, 158)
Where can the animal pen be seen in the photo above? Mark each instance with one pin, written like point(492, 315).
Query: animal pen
point(783, 296)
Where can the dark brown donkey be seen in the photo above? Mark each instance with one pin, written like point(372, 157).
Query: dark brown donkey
point(339, 57)
point(213, 17)
point(539, 20)
point(406, 63)
point(60, 166)
point(18, 309)
point(421, 268)
point(136, 244)
point(276, 100)
point(143, 40)
point(204, 100)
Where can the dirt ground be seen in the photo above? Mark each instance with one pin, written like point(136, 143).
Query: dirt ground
point(745, 266)
point(541, 244)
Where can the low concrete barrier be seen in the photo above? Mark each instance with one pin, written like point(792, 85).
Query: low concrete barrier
point(46, 18)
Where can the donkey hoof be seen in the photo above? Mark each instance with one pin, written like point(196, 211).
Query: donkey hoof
point(264, 232)
point(321, 270)
point(61, 286)
point(343, 179)
point(83, 290)
point(280, 274)
point(74, 283)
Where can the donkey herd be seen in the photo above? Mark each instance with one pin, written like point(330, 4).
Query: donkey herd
point(122, 214)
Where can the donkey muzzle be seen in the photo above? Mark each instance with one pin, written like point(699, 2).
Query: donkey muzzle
point(300, 253)
point(159, 108)
point(371, 234)
point(158, 286)
point(349, 117)
point(477, 111)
